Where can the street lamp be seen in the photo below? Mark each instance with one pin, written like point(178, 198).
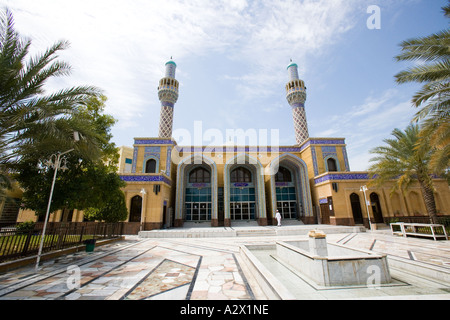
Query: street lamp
point(364, 189)
point(55, 162)
point(143, 192)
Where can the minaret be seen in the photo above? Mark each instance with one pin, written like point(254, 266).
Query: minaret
point(296, 96)
point(168, 95)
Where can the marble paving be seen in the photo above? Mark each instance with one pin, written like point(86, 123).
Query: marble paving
point(204, 269)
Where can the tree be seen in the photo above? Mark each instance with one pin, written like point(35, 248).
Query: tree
point(87, 182)
point(30, 117)
point(432, 54)
point(400, 161)
point(114, 209)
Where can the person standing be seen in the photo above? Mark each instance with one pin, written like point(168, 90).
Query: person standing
point(278, 216)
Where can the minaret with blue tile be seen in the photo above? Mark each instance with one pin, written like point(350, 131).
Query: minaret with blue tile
point(296, 96)
point(168, 95)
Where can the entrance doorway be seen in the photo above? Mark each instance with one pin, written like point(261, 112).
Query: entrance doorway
point(326, 210)
point(242, 195)
point(198, 197)
point(135, 209)
point(356, 208)
point(376, 208)
point(286, 193)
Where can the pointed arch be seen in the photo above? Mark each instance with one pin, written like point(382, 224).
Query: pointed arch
point(301, 174)
point(255, 166)
point(194, 159)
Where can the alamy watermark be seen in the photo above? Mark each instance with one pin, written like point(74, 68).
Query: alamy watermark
point(374, 280)
point(74, 279)
point(235, 145)
point(374, 20)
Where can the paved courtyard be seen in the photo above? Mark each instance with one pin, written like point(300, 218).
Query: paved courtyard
point(213, 268)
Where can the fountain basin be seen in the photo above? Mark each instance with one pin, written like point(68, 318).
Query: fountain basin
point(333, 265)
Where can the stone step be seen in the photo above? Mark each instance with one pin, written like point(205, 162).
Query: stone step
point(256, 233)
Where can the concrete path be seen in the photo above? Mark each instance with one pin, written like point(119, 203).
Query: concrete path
point(213, 268)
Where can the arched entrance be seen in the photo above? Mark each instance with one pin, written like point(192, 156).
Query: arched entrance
point(286, 193)
point(198, 199)
point(356, 208)
point(242, 194)
point(290, 188)
point(244, 199)
point(135, 209)
point(376, 208)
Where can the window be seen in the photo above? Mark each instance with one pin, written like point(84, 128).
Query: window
point(283, 175)
point(200, 175)
point(241, 175)
point(150, 166)
point(331, 163)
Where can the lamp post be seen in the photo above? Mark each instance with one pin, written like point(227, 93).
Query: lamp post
point(143, 192)
point(364, 189)
point(56, 164)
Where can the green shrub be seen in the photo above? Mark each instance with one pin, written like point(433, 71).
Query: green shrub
point(25, 227)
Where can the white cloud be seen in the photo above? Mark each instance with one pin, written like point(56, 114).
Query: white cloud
point(366, 125)
point(120, 45)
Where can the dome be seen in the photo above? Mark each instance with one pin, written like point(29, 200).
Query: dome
point(292, 65)
point(171, 62)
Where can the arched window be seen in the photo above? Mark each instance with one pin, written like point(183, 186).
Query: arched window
point(150, 166)
point(200, 175)
point(241, 175)
point(331, 164)
point(283, 175)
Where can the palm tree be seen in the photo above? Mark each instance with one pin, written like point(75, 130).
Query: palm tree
point(400, 161)
point(30, 117)
point(432, 54)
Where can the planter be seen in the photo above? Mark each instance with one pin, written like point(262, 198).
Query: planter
point(90, 245)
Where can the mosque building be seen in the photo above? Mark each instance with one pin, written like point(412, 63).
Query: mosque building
point(309, 182)
point(168, 185)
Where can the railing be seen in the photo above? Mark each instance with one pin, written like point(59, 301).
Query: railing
point(16, 243)
point(445, 220)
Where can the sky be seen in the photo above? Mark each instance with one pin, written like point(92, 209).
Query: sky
point(231, 58)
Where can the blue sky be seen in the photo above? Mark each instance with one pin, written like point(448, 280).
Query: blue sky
point(232, 58)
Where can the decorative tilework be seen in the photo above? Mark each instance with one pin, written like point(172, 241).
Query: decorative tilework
point(328, 149)
point(133, 167)
point(153, 141)
point(168, 160)
point(314, 159)
point(341, 176)
point(167, 104)
point(145, 178)
point(166, 122)
point(300, 124)
point(311, 141)
point(327, 141)
point(154, 150)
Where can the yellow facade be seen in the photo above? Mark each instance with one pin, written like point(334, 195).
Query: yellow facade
point(329, 190)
